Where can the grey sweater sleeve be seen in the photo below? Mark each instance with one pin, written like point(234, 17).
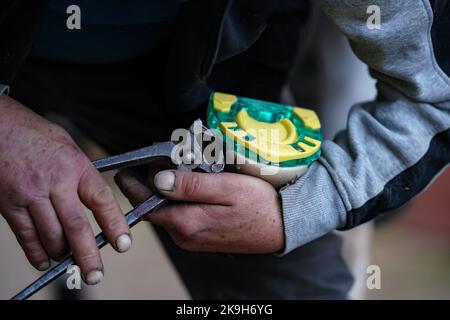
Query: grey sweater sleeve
point(393, 146)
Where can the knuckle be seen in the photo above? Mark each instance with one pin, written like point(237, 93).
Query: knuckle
point(26, 235)
point(57, 130)
point(36, 202)
point(191, 185)
point(15, 198)
point(185, 233)
point(77, 157)
point(52, 237)
point(76, 224)
point(38, 179)
point(182, 230)
point(184, 244)
point(115, 222)
point(103, 198)
point(66, 149)
point(75, 161)
point(87, 257)
point(67, 166)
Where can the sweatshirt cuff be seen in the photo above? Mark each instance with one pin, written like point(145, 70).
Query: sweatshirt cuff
point(312, 207)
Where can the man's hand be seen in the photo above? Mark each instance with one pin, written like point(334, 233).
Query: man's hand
point(44, 181)
point(223, 212)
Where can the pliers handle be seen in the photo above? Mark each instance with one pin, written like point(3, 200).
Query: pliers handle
point(133, 158)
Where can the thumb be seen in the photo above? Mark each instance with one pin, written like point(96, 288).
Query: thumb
point(193, 186)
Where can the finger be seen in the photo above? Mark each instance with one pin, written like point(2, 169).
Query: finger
point(178, 218)
point(196, 187)
point(189, 225)
point(169, 216)
point(27, 236)
point(177, 215)
point(131, 187)
point(155, 166)
point(79, 234)
point(48, 226)
point(97, 195)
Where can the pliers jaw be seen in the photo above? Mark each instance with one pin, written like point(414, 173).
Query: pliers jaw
point(167, 150)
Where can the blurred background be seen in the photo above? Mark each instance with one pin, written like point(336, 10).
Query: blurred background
point(411, 247)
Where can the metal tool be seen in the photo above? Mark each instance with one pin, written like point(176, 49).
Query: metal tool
point(246, 125)
point(129, 159)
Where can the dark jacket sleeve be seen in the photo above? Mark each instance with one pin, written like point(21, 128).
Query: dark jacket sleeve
point(18, 21)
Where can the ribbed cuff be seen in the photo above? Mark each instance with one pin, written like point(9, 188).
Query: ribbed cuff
point(312, 207)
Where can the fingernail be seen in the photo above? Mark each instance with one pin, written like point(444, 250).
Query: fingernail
point(123, 243)
point(94, 277)
point(165, 180)
point(43, 266)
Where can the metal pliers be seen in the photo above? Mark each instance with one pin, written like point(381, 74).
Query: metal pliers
point(129, 159)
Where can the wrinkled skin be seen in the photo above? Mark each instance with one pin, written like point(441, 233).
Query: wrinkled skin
point(224, 212)
point(44, 181)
